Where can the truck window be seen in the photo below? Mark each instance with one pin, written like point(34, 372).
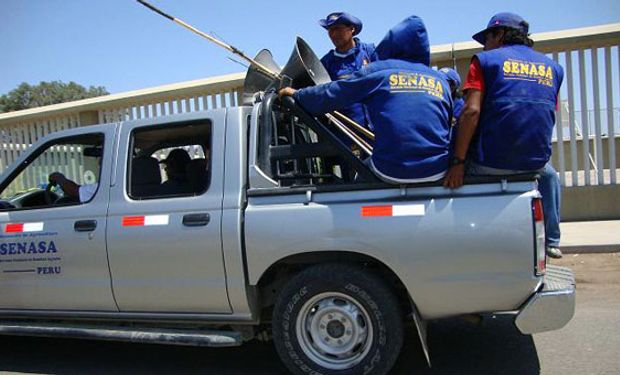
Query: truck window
point(64, 171)
point(169, 161)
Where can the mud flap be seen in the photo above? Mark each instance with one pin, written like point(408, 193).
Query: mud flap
point(421, 326)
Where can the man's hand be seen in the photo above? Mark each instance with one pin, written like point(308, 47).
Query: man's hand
point(454, 177)
point(57, 178)
point(287, 91)
point(69, 187)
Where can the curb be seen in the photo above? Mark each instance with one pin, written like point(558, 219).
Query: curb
point(590, 249)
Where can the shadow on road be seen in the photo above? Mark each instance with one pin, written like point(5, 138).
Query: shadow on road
point(456, 346)
point(459, 347)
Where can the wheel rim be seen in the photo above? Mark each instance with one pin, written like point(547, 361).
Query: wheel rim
point(334, 331)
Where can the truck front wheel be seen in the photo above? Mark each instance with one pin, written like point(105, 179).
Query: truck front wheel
point(337, 319)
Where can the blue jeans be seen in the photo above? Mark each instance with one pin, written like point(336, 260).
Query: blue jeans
point(549, 188)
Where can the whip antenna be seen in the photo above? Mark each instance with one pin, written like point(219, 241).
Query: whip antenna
point(210, 38)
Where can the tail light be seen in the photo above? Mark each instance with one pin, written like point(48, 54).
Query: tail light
point(539, 233)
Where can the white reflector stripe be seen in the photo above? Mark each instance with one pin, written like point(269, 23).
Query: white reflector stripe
point(393, 210)
point(142, 221)
point(23, 227)
point(156, 220)
point(33, 227)
point(408, 210)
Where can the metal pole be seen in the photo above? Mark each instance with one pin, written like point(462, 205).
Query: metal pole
point(351, 135)
point(357, 126)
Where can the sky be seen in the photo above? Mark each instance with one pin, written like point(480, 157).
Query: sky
point(123, 46)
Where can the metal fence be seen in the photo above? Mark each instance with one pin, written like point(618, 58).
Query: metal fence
point(18, 137)
point(607, 122)
point(590, 73)
point(588, 120)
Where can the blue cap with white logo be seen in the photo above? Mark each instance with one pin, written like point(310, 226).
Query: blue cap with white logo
point(451, 76)
point(505, 19)
point(341, 18)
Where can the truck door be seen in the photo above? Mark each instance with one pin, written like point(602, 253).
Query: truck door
point(52, 242)
point(164, 222)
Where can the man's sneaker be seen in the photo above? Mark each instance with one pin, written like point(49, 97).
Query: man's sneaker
point(554, 252)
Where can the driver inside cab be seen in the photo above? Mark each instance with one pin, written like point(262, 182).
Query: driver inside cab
point(73, 191)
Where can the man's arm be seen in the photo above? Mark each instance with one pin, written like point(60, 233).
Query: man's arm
point(337, 94)
point(468, 122)
point(69, 187)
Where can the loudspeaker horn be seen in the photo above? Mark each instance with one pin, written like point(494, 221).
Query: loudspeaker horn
point(304, 68)
point(255, 79)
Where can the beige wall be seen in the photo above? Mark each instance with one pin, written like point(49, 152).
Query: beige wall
point(585, 203)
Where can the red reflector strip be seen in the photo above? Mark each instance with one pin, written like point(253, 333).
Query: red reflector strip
point(374, 211)
point(538, 211)
point(23, 227)
point(145, 221)
point(14, 228)
point(133, 221)
point(542, 265)
point(393, 210)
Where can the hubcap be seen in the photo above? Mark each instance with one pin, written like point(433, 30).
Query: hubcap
point(334, 330)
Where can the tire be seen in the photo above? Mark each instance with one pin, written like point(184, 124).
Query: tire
point(337, 319)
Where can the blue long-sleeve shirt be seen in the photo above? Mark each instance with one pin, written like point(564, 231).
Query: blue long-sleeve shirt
point(410, 107)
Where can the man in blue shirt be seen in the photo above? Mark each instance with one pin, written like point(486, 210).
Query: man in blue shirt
point(509, 115)
point(349, 56)
point(408, 102)
point(454, 79)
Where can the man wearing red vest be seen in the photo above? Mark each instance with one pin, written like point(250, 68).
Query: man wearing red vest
point(509, 114)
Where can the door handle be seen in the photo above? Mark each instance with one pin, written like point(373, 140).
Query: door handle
point(85, 225)
point(196, 220)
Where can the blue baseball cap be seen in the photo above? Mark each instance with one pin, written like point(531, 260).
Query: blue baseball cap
point(505, 19)
point(341, 18)
point(451, 76)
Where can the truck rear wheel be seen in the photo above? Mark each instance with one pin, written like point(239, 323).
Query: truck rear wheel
point(337, 319)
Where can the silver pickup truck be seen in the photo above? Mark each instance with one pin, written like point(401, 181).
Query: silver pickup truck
point(266, 226)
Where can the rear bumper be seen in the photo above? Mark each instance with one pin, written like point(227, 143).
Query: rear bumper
point(553, 306)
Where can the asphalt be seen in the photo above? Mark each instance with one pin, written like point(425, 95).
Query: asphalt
point(590, 237)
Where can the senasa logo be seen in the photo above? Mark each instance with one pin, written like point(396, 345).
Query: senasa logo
point(16, 248)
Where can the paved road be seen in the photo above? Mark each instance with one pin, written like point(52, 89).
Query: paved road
point(589, 344)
